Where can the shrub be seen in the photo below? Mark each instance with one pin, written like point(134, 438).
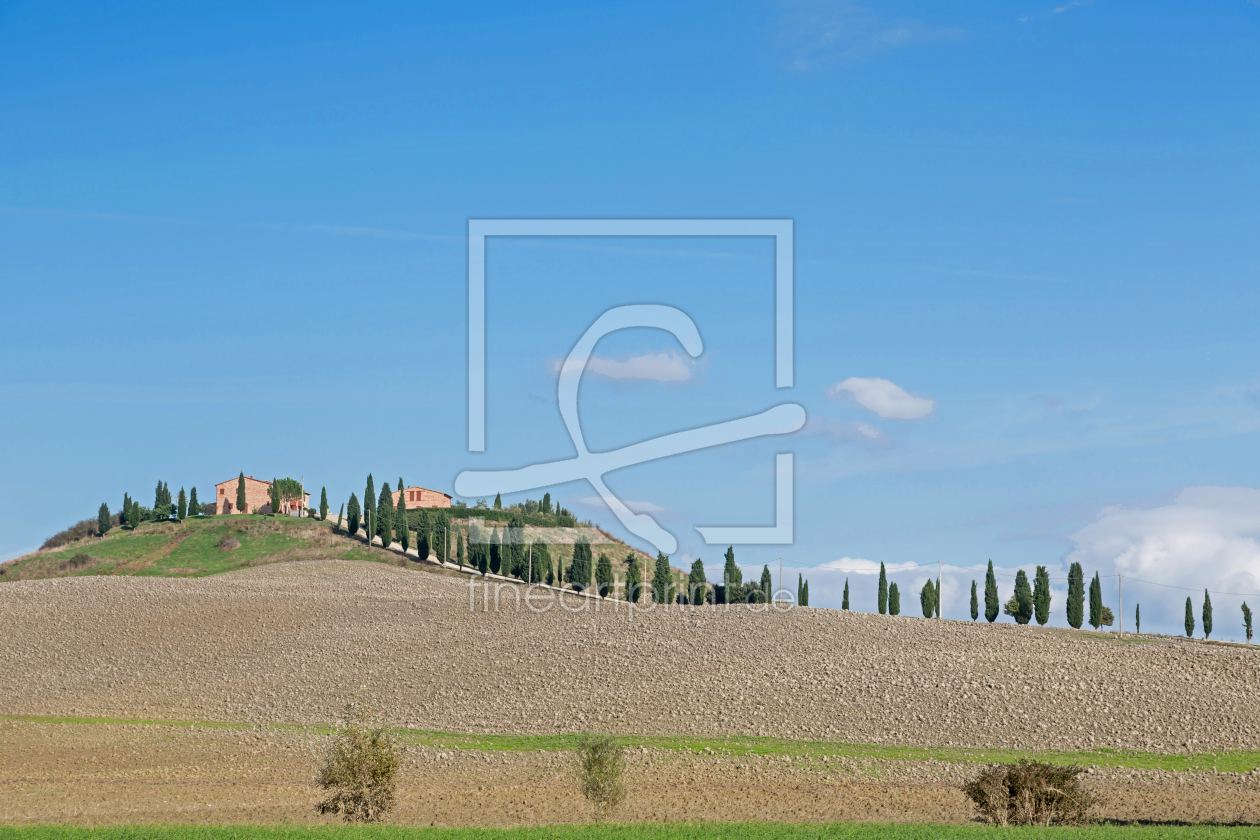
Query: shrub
point(360, 768)
point(228, 544)
point(78, 531)
point(1029, 793)
point(601, 764)
point(78, 561)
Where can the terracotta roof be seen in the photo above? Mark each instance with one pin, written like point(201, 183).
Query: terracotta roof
point(425, 489)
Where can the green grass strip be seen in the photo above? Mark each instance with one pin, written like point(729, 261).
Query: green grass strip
point(638, 831)
point(1230, 762)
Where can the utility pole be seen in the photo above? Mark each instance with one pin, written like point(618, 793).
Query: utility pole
point(302, 498)
point(1120, 587)
point(780, 574)
point(938, 587)
point(530, 580)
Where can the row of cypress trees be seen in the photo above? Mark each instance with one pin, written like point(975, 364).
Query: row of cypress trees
point(132, 513)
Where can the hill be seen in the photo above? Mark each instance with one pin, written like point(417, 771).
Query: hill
point(288, 643)
point(211, 545)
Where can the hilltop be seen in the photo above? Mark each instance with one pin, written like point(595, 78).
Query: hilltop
point(208, 545)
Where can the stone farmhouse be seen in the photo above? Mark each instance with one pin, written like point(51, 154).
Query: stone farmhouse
point(421, 497)
point(257, 497)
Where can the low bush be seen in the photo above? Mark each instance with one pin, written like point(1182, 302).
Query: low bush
point(77, 531)
point(78, 561)
point(361, 767)
point(1029, 793)
point(601, 764)
point(228, 544)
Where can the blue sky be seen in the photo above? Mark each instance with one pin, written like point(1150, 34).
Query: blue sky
point(232, 238)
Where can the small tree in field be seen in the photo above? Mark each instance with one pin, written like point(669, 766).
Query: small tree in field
point(1189, 619)
point(600, 767)
point(604, 576)
point(181, 508)
point(323, 504)
point(194, 509)
point(975, 602)
point(1246, 610)
point(1207, 615)
point(102, 524)
point(844, 604)
point(1137, 618)
point(361, 767)
point(894, 600)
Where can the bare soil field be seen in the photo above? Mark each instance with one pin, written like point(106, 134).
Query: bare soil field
point(100, 774)
point(290, 643)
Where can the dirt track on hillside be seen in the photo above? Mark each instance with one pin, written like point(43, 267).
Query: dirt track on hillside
point(290, 643)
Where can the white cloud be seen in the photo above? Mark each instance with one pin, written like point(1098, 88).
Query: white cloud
point(664, 366)
point(1207, 538)
point(886, 399)
point(837, 431)
point(859, 566)
point(637, 507)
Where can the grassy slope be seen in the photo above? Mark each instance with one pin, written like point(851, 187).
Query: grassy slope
point(642, 831)
point(191, 549)
point(1226, 762)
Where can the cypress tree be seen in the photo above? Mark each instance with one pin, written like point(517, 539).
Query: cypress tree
point(401, 525)
point(124, 513)
point(975, 602)
point(496, 552)
point(385, 516)
point(927, 598)
point(1207, 615)
point(540, 562)
point(662, 581)
point(604, 576)
point(1095, 602)
point(353, 525)
point(498, 502)
point(323, 504)
point(545, 506)
point(241, 504)
point(339, 513)
point(800, 587)
point(273, 495)
point(844, 605)
point(1041, 595)
point(882, 598)
point(1189, 619)
point(459, 549)
point(806, 602)
point(937, 595)
point(369, 501)
point(767, 585)
point(1022, 600)
point(1246, 610)
point(1076, 596)
point(732, 579)
point(634, 579)
point(697, 583)
point(991, 605)
point(1137, 618)
point(894, 599)
point(102, 523)
point(194, 509)
point(181, 510)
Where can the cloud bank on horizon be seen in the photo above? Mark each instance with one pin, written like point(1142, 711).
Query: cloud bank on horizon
point(887, 399)
point(1207, 538)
